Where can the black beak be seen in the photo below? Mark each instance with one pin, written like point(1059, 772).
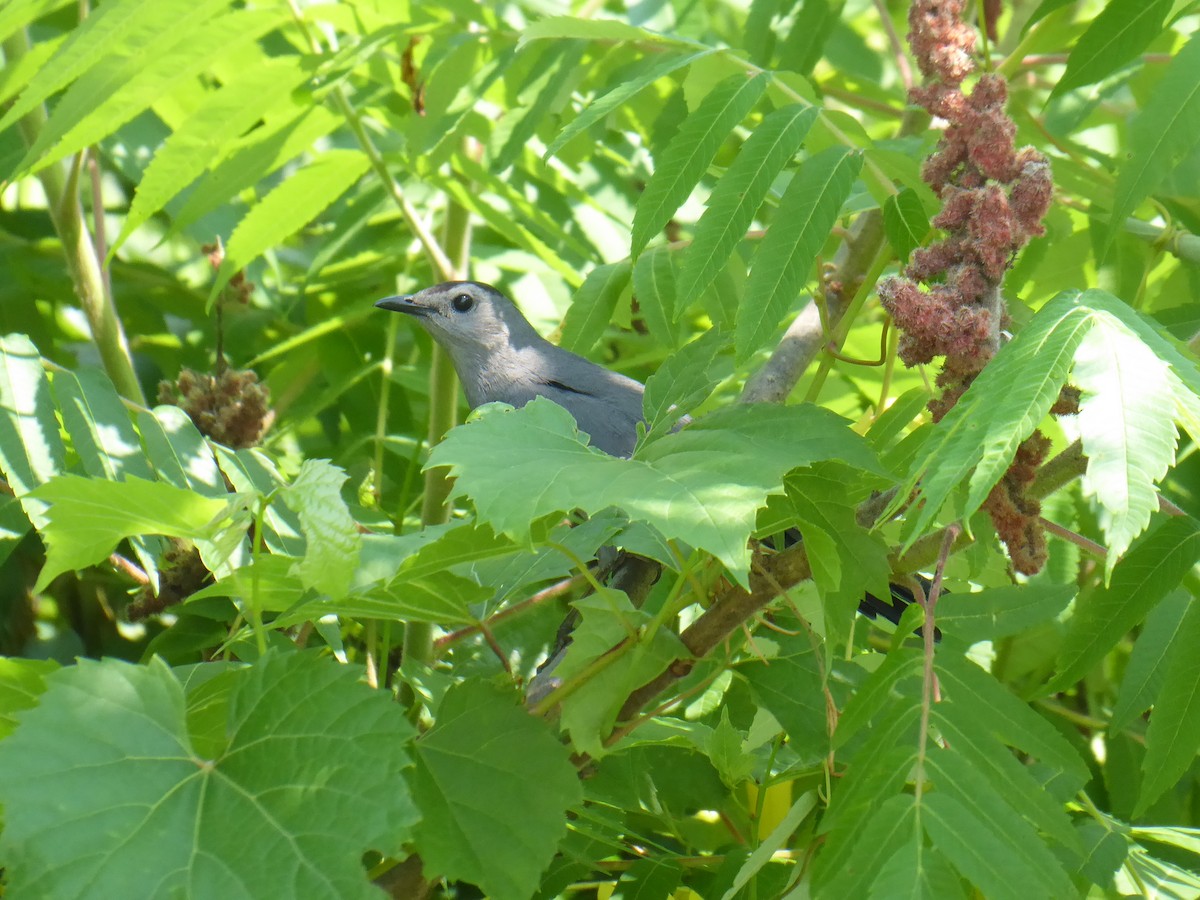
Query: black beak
point(403, 303)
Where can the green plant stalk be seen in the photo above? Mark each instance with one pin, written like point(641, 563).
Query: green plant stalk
point(61, 187)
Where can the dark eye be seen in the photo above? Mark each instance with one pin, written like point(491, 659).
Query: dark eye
point(462, 302)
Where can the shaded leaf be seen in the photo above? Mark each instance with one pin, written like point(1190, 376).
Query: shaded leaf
point(654, 288)
point(592, 306)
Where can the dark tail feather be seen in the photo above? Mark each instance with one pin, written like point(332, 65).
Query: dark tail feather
point(900, 599)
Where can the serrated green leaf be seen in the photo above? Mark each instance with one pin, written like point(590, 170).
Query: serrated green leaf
point(317, 782)
point(484, 756)
point(332, 541)
point(1161, 137)
point(1152, 568)
point(203, 137)
point(113, 30)
point(99, 425)
point(790, 686)
point(130, 78)
point(440, 599)
point(31, 452)
point(18, 13)
point(553, 68)
point(776, 840)
point(178, 452)
point(288, 132)
point(999, 868)
point(737, 196)
point(519, 465)
point(1143, 678)
point(807, 212)
point(1173, 736)
point(732, 763)
point(592, 306)
point(684, 381)
point(905, 222)
point(628, 87)
point(892, 824)
point(1128, 441)
point(1123, 29)
point(691, 151)
point(558, 27)
point(252, 472)
point(1001, 612)
point(22, 683)
point(654, 289)
point(648, 879)
point(288, 208)
point(89, 517)
point(917, 870)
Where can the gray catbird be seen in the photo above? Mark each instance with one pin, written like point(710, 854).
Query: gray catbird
point(499, 356)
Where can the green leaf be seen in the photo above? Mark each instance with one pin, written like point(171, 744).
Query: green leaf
point(691, 151)
point(737, 196)
point(807, 212)
point(1123, 29)
point(648, 879)
point(776, 840)
point(1173, 736)
point(654, 289)
point(294, 203)
point(332, 541)
point(205, 135)
point(1127, 439)
point(178, 452)
point(1156, 643)
point(1152, 568)
point(1001, 612)
point(22, 683)
point(628, 87)
point(31, 452)
point(905, 222)
point(891, 824)
point(519, 465)
point(122, 28)
point(732, 763)
point(683, 382)
point(592, 306)
point(99, 425)
point(1165, 133)
point(558, 27)
point(917, 870)
point(119, 765)
point(484, 758)
point(128, 80)
point(789, 684)
point(553, 68)
point(89, 517)
point(19, 13)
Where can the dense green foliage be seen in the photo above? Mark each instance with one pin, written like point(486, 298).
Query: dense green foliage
point(249, 649)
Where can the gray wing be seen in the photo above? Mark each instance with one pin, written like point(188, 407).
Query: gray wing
point(606, 405)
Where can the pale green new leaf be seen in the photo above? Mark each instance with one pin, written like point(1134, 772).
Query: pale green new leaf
point(592, 306)
point(738, 195)
point(31, 452)
point(146, 769)
point(602, 106)
point(203, 136)
point(1173, 736)
point(694, 485)
point(809, 208)
point(121, 86)
point(654, 289)
point(1129, 442)
point(484, 759)
point(1123, 29)
point(332, 541)
point(687, 157)
point(89, 517)
point(294, 203)
point(1153, 567)
point(1165, 131)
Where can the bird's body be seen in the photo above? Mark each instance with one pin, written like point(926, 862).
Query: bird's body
point(499, 356)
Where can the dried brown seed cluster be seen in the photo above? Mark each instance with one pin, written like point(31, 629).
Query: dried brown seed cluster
point(948, 302)
point(232, 408)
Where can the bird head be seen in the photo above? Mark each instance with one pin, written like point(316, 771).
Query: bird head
point(466, 317)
